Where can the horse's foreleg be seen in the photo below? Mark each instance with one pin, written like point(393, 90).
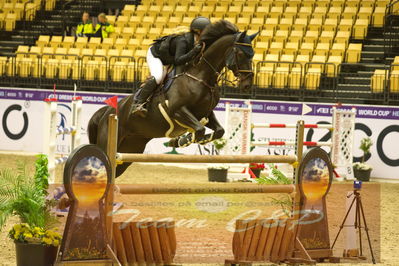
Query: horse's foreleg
point(186, 119)
point(218, 130)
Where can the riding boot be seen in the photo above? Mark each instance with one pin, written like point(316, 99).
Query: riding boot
point(138, 107)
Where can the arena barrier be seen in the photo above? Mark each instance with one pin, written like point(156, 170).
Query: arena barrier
point(52, 131)
point(239, 127)
point(278, 241)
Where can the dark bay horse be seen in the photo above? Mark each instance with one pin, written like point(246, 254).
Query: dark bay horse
point(188, 105)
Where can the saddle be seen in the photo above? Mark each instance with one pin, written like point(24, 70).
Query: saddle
point(163, 87)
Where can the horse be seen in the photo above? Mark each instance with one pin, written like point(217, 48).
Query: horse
point(187, 106)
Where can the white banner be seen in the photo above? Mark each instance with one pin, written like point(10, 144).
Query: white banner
point(21, 112)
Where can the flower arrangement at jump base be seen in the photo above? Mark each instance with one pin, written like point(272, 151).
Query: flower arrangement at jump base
point(25, 196)
point(255, 169)
point(218, 172)
point(361, 170)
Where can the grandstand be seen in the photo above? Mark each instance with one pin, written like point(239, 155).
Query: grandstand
point(327, 50)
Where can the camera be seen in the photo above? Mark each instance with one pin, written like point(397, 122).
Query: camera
point(357, 185)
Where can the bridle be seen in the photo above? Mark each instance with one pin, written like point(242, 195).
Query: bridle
point(236, 70)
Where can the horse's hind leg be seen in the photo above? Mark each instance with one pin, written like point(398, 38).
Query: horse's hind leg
point(130, 144)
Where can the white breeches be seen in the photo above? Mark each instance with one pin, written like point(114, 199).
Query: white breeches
point(157, 69)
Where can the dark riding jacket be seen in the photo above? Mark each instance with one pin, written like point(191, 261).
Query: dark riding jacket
point(175, 50)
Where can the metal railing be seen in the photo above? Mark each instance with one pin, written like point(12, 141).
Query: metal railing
point(391, 29)
point(272, 80)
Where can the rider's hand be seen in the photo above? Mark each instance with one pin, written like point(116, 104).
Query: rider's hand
point(197, 48)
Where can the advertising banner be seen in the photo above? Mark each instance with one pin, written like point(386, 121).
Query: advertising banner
point(21, 113)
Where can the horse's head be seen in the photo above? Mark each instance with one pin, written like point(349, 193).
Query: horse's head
point(239, 60)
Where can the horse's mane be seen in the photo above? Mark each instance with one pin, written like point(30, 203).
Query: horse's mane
point(217, 30)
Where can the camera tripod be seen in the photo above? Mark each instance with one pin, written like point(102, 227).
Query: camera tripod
point(359, 216)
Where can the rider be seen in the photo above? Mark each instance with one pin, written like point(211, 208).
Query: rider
point(174, 50)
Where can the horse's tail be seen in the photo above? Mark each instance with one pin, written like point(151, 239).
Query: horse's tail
point(92, 127)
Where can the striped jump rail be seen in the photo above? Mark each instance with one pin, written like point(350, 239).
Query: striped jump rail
point(290, 143)
point(267, 125)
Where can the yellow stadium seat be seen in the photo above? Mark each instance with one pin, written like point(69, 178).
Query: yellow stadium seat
point(235, 10)
point(285, 24)
point(3, 65)
point(300, 24)
point(81, 42)
point(261, 47)
point(24, 67)
point(102, 72)
point(146, 43)
point(342, 37)
point(378, 17)
point(161, 21)
point(307, 48)
point(276, 48)
point(167, 9)
point(122, 21)
point(330, 24)
point(280, 77)
point(94, 43)
point(127, 33)
point(68, 42)
point(360, 29)
point(322, 49)
point(312, 78)
point(51, 68)
point(332, 66)
point(379, 80)
point(154, 10)
point(127, 55)
point(128, 10)
point(74, 53)
point(258, 57)
point(113, 53)
point(353, 53)
point(140, 53)
point(118, 71)
point(182, 10)
point(382, 3)
point(248, 11)
point(311, 36)
point(334, 12)
point(323, 3)
point(291, 48)
point(295, 78)
point(174, 21)
point(318, 62)
point(394, 81)
point(61, 53)
point(271, 24)
point(35, 51)
point(9, 22)
point(90, 70)
point(43, 40)
point(87, 54)
point(281, 36)
point(288, 60)
point(48, 52)
point(327, 37)
point(65, 68)
point(315, 24)
point(141, 10)
point(111, 19)
point(338, 49)
point(120, 43)
point(243, 22)
point(100, 55)
point(107, 43)
point(302, 60)
point(349, 12)
point(345, 25)
point(148, 21)
point(133, 44)
point(365, 13)
point(22, 51)
point(56, 41)
point(134, 21)
point(276, 12)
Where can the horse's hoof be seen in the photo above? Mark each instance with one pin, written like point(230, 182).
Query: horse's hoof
point(174, 143)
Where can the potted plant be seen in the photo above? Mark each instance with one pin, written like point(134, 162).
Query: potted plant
point(362, 170)
point(218, 172)
point(256, 168)
point(24, 196)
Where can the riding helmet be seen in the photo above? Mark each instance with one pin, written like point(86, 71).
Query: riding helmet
point(199, 23)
